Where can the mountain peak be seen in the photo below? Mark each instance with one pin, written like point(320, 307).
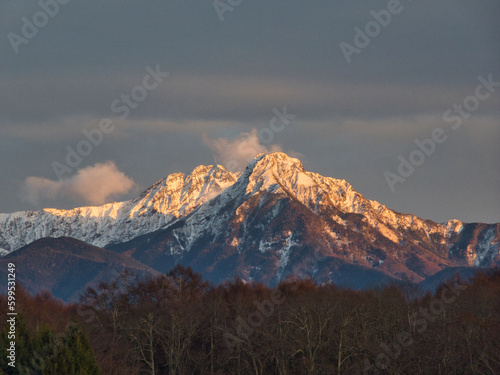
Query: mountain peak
point(207, 170)
point(268, 160)
point(277, 172)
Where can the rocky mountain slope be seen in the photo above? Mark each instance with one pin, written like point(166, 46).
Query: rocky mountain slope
point(273, 220)
point(277, 215)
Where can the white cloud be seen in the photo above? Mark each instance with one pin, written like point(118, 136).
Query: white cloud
point(235, 154)
point(95, 184)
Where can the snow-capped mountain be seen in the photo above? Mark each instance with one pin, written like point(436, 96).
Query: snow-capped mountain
point(168, 199)
point(277, 214)
point(272, 220)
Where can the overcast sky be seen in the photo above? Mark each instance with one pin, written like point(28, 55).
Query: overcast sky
point(356, 104)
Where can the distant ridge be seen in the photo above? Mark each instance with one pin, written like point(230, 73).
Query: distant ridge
point(66, 266)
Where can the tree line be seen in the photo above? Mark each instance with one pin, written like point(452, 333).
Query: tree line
point(179, 324)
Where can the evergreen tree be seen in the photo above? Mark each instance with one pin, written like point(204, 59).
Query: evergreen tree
point(44, 353)
point(75, 357)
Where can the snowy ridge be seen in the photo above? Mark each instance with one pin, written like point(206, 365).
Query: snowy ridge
point(486, 249)
point(168, 199)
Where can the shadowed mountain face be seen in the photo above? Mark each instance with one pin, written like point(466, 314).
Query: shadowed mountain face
point(66, 267)
point(273, 220)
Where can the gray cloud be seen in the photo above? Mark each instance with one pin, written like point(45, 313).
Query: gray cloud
point(223, 98)
point(95, 184)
